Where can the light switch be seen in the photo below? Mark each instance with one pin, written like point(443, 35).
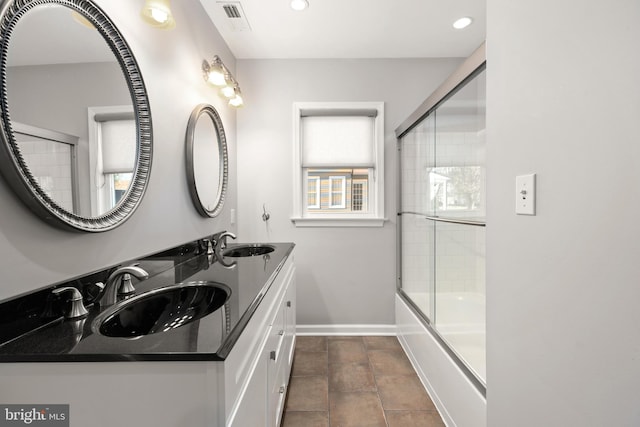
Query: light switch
point(526, 194)
point(233, 217)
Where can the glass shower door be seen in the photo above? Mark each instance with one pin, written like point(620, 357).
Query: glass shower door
point(442, 221)
point(418, 202)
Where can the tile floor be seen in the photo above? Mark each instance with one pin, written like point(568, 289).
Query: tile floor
point(355, 382)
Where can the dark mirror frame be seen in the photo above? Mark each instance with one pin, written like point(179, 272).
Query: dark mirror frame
point(12, 164)
point(198, 112)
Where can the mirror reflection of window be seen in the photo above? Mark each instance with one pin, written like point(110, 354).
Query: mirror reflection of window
point(116, 147)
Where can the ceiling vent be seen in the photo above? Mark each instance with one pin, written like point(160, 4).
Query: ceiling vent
point(236, 19)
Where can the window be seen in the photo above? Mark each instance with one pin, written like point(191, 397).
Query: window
point(339, 164)
point(337, 190)
point(112, 154)
point(358, 200)
point(313, 192)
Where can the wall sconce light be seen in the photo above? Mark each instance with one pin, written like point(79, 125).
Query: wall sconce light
point(216, 74)
point(157, 13)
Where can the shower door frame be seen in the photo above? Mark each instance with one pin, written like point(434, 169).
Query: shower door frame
point(468, 70)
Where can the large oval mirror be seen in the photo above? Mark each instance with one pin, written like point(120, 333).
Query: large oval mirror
point(75, 125)
point(207, 172)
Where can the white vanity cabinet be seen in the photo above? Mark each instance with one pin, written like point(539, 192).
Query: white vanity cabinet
point(258, 367)
point(247, 389)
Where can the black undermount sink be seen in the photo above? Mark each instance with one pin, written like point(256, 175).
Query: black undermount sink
point(161, 309)
point(248, 250)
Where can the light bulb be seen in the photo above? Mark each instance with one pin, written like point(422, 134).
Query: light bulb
point(236, 101)
point(299, 4)
point(82, 20)
point(157, 13)
point(159, 16)
point(463, 22)
point(228, 91)
point(216, 77)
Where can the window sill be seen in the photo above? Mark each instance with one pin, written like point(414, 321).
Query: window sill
point(338, 222)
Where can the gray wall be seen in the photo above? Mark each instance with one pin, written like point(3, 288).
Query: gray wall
point(563, 286)
point(33, 254)
point(346, 276)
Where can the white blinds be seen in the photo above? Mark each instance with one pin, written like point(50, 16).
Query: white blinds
point(118, 145)
point(337, 141)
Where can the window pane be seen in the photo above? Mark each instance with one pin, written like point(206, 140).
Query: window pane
point(313, 192)
point(116, 186)
point(337, 184)
point(338, 190)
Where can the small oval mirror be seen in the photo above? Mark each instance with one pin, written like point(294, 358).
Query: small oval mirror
point(207, 170)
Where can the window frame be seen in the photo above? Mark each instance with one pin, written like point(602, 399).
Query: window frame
point(302, 217)
point(317, 194)
point(342, 192)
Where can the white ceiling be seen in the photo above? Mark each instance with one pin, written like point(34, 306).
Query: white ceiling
point(351, 28)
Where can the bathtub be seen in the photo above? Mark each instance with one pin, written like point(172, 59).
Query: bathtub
point(451, 361)
point(460, 321)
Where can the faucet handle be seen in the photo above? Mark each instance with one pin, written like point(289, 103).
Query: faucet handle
point(75, 309)
point(126, 287)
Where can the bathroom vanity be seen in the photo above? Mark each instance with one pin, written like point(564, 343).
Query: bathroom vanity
point(228, 368)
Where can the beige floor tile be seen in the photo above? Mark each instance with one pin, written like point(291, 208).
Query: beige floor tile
point(308, 394)
point(351, 377)
point(307, 363)
point(306, 419)
point(344, 381)
point(306, 343)
point(413, 419)
point(381, 343)
point(390, 362)
point(362, 409)
point(403, 392)
point(347, 351)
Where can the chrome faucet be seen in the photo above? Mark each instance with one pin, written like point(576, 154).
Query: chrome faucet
point(222, 240)
point(119, 278)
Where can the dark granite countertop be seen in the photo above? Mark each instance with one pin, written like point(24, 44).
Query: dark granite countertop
point(209, 338)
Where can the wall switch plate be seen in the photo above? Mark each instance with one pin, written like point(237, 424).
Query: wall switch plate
point(526, 194)
point(233, 217)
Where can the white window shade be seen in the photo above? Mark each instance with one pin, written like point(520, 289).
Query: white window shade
point(337, 141)
point(118, 140)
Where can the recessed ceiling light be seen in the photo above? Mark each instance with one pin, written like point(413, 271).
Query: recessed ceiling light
point(463, 22)
point(299, 4)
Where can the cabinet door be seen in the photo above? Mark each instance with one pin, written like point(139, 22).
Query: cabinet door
point(275, 348)
point(252, 410)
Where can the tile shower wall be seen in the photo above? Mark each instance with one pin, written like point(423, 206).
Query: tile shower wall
point(460, 258)
point(50, 164)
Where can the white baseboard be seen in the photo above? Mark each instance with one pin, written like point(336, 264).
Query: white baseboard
point(346, 330)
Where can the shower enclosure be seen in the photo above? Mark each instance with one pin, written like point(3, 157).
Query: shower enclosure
point(441, 218)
